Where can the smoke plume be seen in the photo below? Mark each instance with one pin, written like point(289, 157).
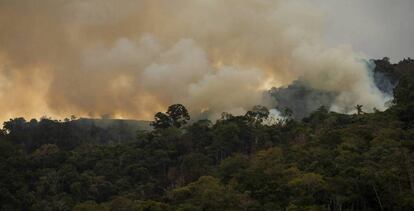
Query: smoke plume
point(131, 58)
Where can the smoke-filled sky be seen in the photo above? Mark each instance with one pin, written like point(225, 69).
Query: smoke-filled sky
point(376, 27)
point(131, 58)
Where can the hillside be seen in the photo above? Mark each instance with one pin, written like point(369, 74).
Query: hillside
point(326, 161)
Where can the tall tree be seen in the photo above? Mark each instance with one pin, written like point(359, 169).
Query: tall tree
point(161, 121)
point(178, 115)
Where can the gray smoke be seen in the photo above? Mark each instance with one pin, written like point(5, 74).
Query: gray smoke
point(301, 99)
point(131, 58)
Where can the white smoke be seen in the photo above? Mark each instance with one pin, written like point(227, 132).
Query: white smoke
point(132, 58)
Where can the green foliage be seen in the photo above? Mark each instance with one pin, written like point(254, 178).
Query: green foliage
point(328, 161)
point(208, 193)
point(176, 116)
point(257, 115)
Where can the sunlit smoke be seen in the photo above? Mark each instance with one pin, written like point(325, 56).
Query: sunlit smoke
point(131, 58)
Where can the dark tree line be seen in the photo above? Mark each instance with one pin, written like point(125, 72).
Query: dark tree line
point(327, 161)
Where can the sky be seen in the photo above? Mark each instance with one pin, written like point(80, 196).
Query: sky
point(377, 28)
point(132, 58)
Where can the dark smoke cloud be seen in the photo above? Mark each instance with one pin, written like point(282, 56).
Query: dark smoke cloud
point(301, 99)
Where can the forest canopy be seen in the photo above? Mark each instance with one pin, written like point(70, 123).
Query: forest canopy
point(325, 161)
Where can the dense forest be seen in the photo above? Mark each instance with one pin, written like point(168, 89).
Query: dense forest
point(325, 161)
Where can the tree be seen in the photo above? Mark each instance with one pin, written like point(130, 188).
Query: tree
point(359, 109)
point(178, 115)
point(258, 114)
point(194, 165)
point(308, 189)
point(161, 121)
point(232, 166)
point(207, 193)
point(89, 205)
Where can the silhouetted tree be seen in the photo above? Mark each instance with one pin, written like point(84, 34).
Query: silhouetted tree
point(178, 115)
point(359, 109)
point(161, 121)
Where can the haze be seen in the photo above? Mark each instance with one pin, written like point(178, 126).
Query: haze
point(130, 59)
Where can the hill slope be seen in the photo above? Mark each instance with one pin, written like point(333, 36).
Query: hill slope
point(327, 161)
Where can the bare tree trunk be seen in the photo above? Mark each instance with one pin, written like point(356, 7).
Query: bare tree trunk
point(378, 198)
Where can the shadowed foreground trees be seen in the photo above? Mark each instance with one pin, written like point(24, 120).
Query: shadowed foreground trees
point(327, 161)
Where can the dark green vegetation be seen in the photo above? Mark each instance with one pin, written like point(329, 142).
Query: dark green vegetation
point(327, 161)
